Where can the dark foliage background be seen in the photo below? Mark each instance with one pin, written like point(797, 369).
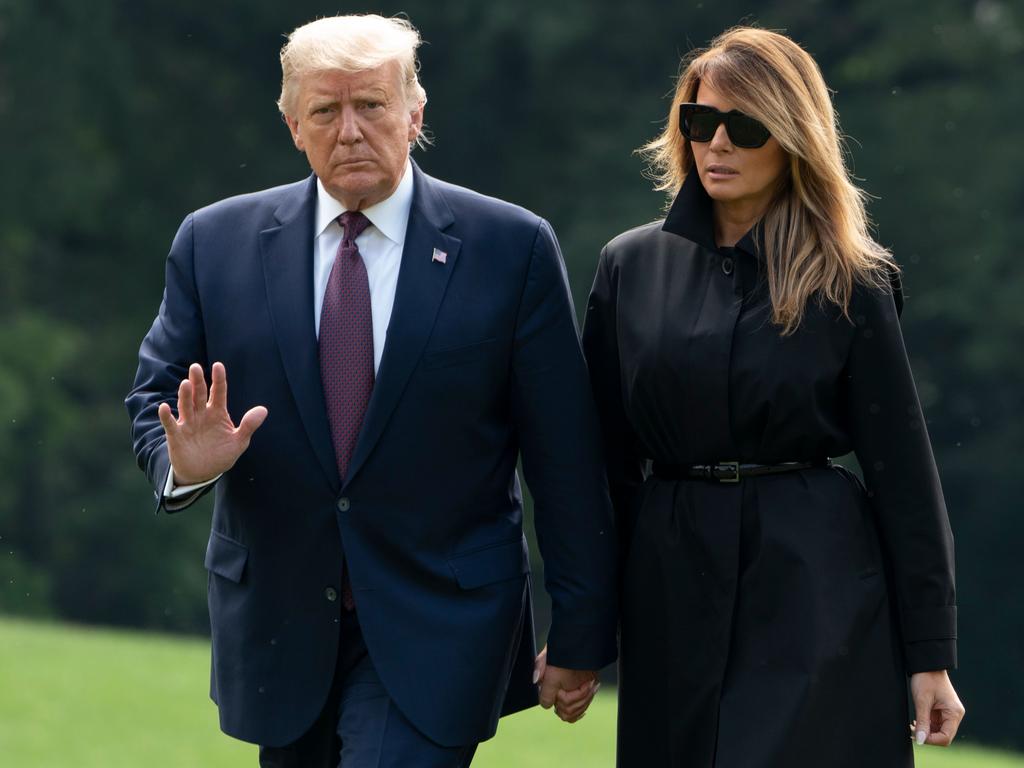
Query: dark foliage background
point(118, 117)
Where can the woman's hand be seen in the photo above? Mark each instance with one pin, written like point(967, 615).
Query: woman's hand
point(939, 710)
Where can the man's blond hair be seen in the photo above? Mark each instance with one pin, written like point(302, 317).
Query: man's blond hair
point(350, 44)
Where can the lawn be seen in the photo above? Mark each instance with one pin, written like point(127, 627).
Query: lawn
point(94, 698)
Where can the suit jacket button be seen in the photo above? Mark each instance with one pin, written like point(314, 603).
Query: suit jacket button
point(727, 265)
point(343, 504)
point(331, 594)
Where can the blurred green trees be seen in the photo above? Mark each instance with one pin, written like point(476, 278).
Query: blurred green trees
point(117, 118)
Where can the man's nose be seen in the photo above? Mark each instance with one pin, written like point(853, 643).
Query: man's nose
point(349, 131)
point(720, 141)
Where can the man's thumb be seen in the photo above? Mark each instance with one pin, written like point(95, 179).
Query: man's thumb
point(252, 420)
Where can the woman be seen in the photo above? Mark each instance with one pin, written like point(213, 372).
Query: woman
point(772, 606)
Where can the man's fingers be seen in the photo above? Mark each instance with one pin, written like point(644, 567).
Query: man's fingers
point(581, 697)
point(218, 387)
point(571, 714)
point(571, 705)
point(199, 391)
point(566, 711)
point(573, 718)
point(252, 421)
point(584, 692)
point(167, 420)
point(186, 409)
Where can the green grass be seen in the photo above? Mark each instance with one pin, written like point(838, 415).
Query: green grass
point(93, 698)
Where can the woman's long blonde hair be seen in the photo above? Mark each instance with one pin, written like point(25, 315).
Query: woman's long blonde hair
point(816, 236)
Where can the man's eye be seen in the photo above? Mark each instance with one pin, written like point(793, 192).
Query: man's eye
point(374, 104)
point(322, 110)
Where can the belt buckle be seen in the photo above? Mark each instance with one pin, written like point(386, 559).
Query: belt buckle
point(728, 466)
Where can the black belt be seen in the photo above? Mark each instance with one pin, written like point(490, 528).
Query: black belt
point(730, 471)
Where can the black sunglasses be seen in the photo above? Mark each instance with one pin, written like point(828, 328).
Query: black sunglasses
point(698, 122)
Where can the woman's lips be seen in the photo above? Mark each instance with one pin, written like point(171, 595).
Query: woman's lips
point(719, 172)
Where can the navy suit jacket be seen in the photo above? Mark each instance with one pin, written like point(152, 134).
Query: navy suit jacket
point(481, 364)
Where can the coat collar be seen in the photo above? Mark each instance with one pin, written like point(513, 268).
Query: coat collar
point(286, 249)
point(390, 216)
point(691, 217)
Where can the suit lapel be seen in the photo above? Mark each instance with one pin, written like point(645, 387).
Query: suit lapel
point(422, 281)
point(287, 252)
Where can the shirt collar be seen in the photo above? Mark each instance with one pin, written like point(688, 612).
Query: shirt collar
point(390, 215)
point(691, 217)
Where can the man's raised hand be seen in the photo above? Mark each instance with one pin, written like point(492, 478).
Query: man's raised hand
point(203, 441)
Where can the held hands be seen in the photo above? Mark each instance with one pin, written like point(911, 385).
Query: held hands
point(203, 441)
point(939, 710)
point(569, 691)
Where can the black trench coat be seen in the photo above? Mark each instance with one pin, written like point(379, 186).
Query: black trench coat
point(772, 622)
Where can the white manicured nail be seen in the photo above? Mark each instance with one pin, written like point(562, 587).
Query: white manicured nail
point(536, 676)
point(921, 736)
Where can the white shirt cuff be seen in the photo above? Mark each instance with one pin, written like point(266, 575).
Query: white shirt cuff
point(180, 496)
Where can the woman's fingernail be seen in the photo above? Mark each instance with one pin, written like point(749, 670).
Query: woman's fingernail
point(921, 736)
point(536, 676)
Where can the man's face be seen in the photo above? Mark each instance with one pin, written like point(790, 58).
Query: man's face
point(355, 128)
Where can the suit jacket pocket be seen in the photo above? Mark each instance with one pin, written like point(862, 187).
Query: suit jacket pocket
point(507, 560)
point(442, 358)
point(226, 557)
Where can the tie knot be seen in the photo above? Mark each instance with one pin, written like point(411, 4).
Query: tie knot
point(354, 223)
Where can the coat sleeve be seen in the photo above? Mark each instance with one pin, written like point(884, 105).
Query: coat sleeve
point(174, 342)
point(558, 438)
point(891, 442)
point(625, 468)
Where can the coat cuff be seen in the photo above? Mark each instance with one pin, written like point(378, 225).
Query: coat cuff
point(582, 647)
point(930, 655)
point(936, 623)
point(929, 638)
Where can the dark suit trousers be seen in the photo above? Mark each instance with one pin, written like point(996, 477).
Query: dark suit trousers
point(359, 726)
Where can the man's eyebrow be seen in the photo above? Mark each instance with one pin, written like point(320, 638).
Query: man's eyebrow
point(325, 99)
point(373, 92)
point(328, 98)
point(314, 103)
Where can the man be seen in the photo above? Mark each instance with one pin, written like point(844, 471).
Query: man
point(394, 344)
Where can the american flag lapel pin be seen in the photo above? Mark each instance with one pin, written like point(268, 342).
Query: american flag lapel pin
point(439, 256)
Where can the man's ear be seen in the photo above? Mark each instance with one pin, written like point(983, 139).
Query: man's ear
point(293, 127)
point(415, 123)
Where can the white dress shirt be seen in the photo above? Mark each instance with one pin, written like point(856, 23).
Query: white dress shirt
point(380, 246)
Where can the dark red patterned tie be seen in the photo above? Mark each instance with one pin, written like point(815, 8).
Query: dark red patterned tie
point(346, 350)
point(346, 342)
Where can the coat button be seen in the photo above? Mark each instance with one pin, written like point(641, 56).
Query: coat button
point(727, 265)
point(331, 594)
point(343, 504)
